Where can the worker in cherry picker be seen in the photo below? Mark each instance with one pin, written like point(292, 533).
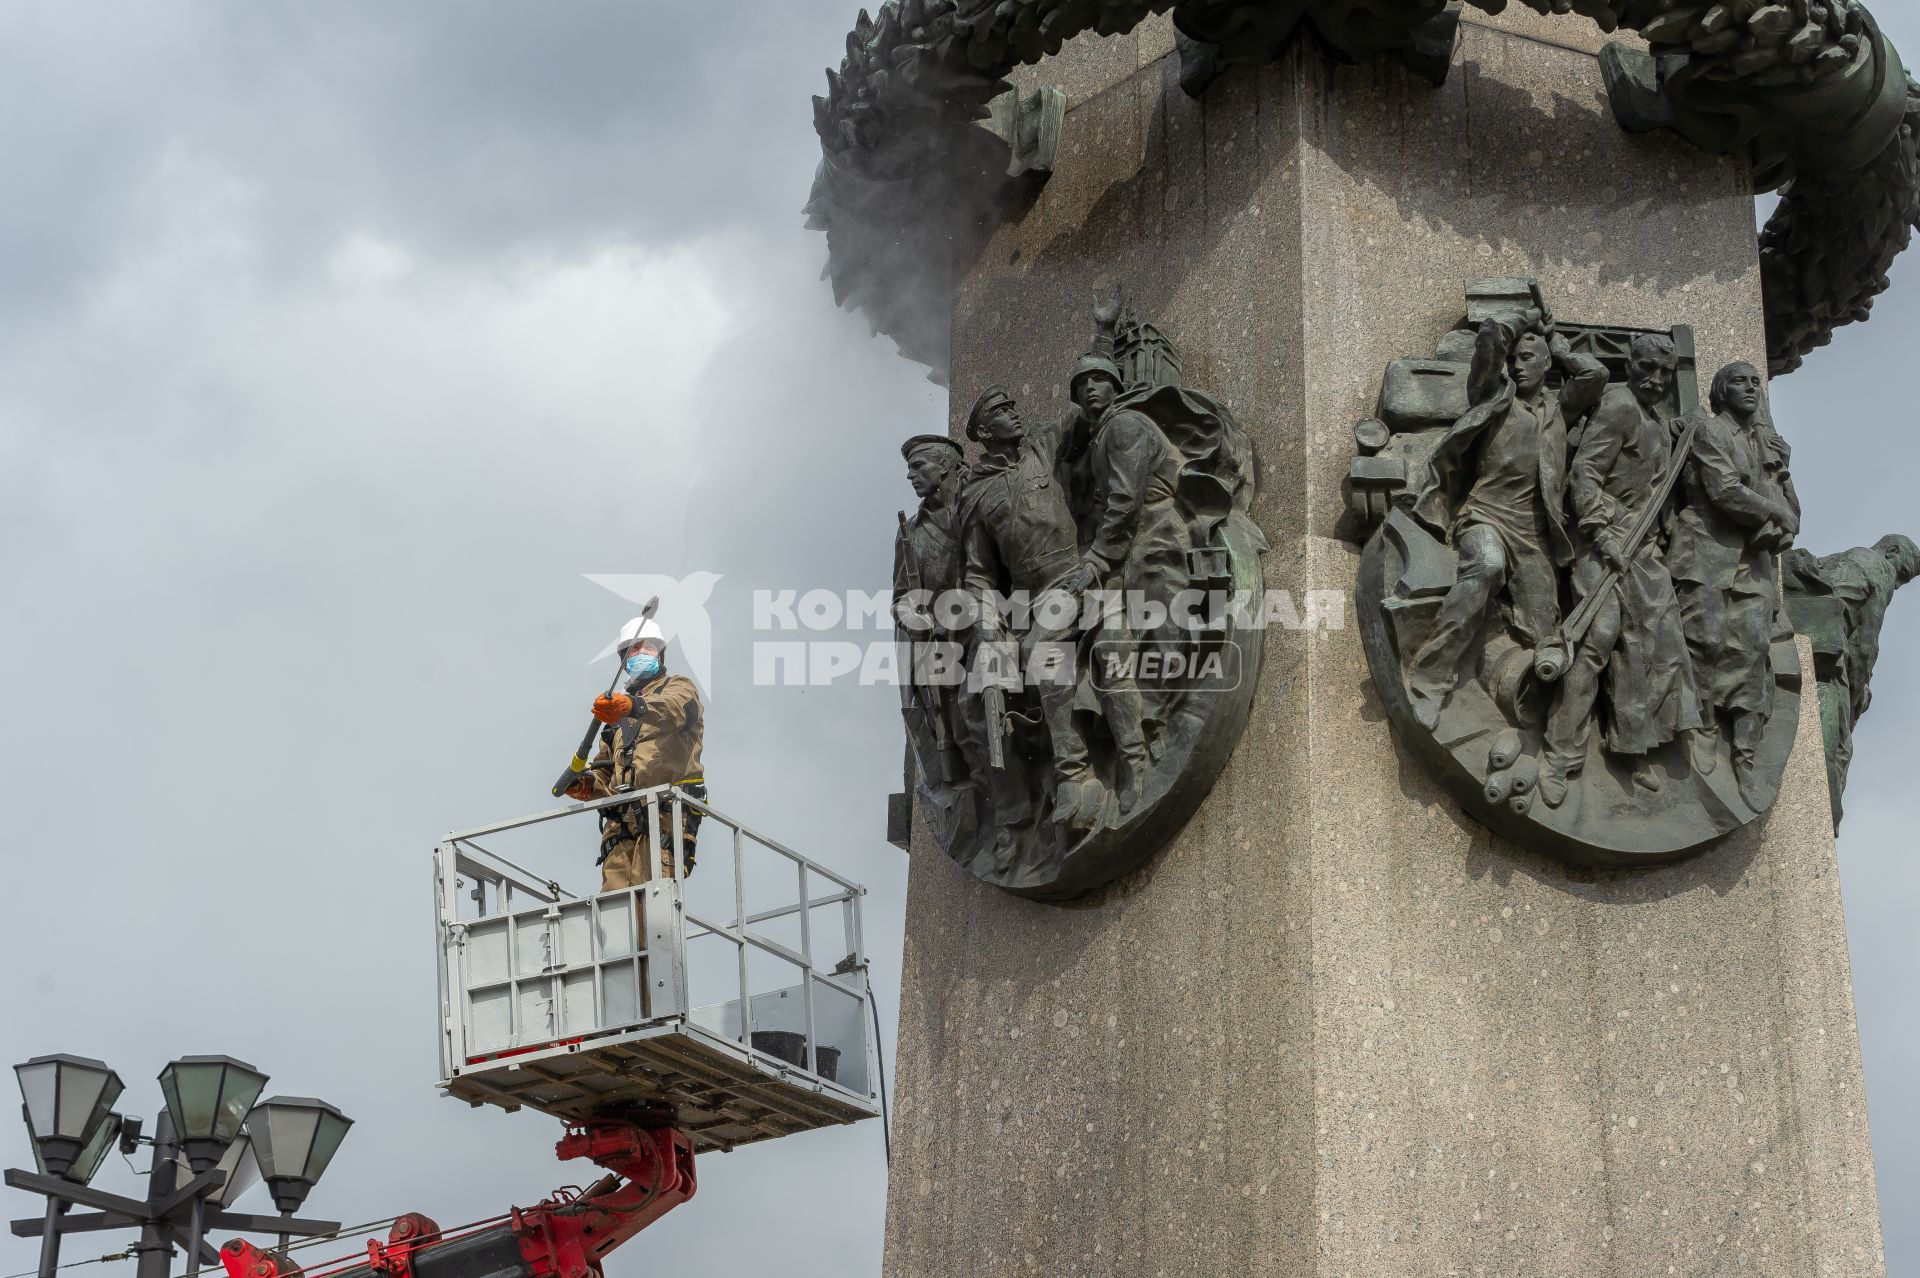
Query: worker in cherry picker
point(650, 736)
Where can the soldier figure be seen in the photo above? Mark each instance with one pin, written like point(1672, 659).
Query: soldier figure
point(1079, 539)
point(1497, 491)
point(1137, 549)
point(1018, 535)
point(930, 550)
point(1860, 584)
point(927, 560)
point(1620, 467)
point(1739, 514)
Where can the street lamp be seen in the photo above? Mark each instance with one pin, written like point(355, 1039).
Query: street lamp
point(67, 1099)
point(202, 1158)
point(208, 1098)
point(294, 1138)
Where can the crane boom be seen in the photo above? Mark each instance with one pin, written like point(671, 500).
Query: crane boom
point(566, 1236)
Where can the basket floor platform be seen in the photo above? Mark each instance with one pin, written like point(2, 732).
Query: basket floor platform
point(722, 1099)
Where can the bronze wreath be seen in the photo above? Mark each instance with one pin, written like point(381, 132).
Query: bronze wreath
point(1811, 89)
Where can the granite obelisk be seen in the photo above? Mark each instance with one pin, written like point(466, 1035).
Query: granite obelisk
point(1336, 1027)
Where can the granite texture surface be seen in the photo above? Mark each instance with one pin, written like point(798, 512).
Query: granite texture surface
point(1566, 30)
point(1335, 1028)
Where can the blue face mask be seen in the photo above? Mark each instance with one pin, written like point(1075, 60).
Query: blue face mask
point(643, 665)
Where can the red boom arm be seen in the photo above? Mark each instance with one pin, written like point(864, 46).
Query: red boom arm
point(564, 1237)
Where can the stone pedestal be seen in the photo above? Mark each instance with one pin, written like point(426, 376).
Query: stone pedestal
point(1335, 1028)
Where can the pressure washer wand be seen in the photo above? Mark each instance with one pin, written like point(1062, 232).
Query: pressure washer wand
point(578, 764)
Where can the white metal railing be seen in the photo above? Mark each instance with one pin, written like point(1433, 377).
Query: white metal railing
point(529, 969)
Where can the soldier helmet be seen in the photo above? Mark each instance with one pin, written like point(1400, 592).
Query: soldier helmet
point(919, 442)
point(638, 631)
point(1088, 366)
point(991, 398)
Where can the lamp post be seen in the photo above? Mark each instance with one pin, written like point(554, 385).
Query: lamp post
point(208, 1098)
point(67, 1102)
point(204, 1156)
point(92, 1153)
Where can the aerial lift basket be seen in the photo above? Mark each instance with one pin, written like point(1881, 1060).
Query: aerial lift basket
point(748, 1020)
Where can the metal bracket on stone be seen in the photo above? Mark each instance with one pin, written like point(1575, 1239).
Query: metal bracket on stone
point(1030, 127)
point(900, 820)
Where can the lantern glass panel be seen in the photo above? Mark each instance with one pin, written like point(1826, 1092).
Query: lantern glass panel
point(285, 1137)
point(39, 1087)
point(239, 1091)
point(105, 1132)
point(332, 1130)
point(242, 1169)
point(39, 1160)
point(65, 1095)
point(83, 1098)
point(190, 1093)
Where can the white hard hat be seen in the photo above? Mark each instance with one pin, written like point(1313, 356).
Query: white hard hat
point(639, 630)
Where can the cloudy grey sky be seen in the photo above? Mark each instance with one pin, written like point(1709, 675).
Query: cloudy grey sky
point(336, 344)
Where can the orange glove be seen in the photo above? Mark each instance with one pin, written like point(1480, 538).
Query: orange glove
point(613, 709)
point(581, 789)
